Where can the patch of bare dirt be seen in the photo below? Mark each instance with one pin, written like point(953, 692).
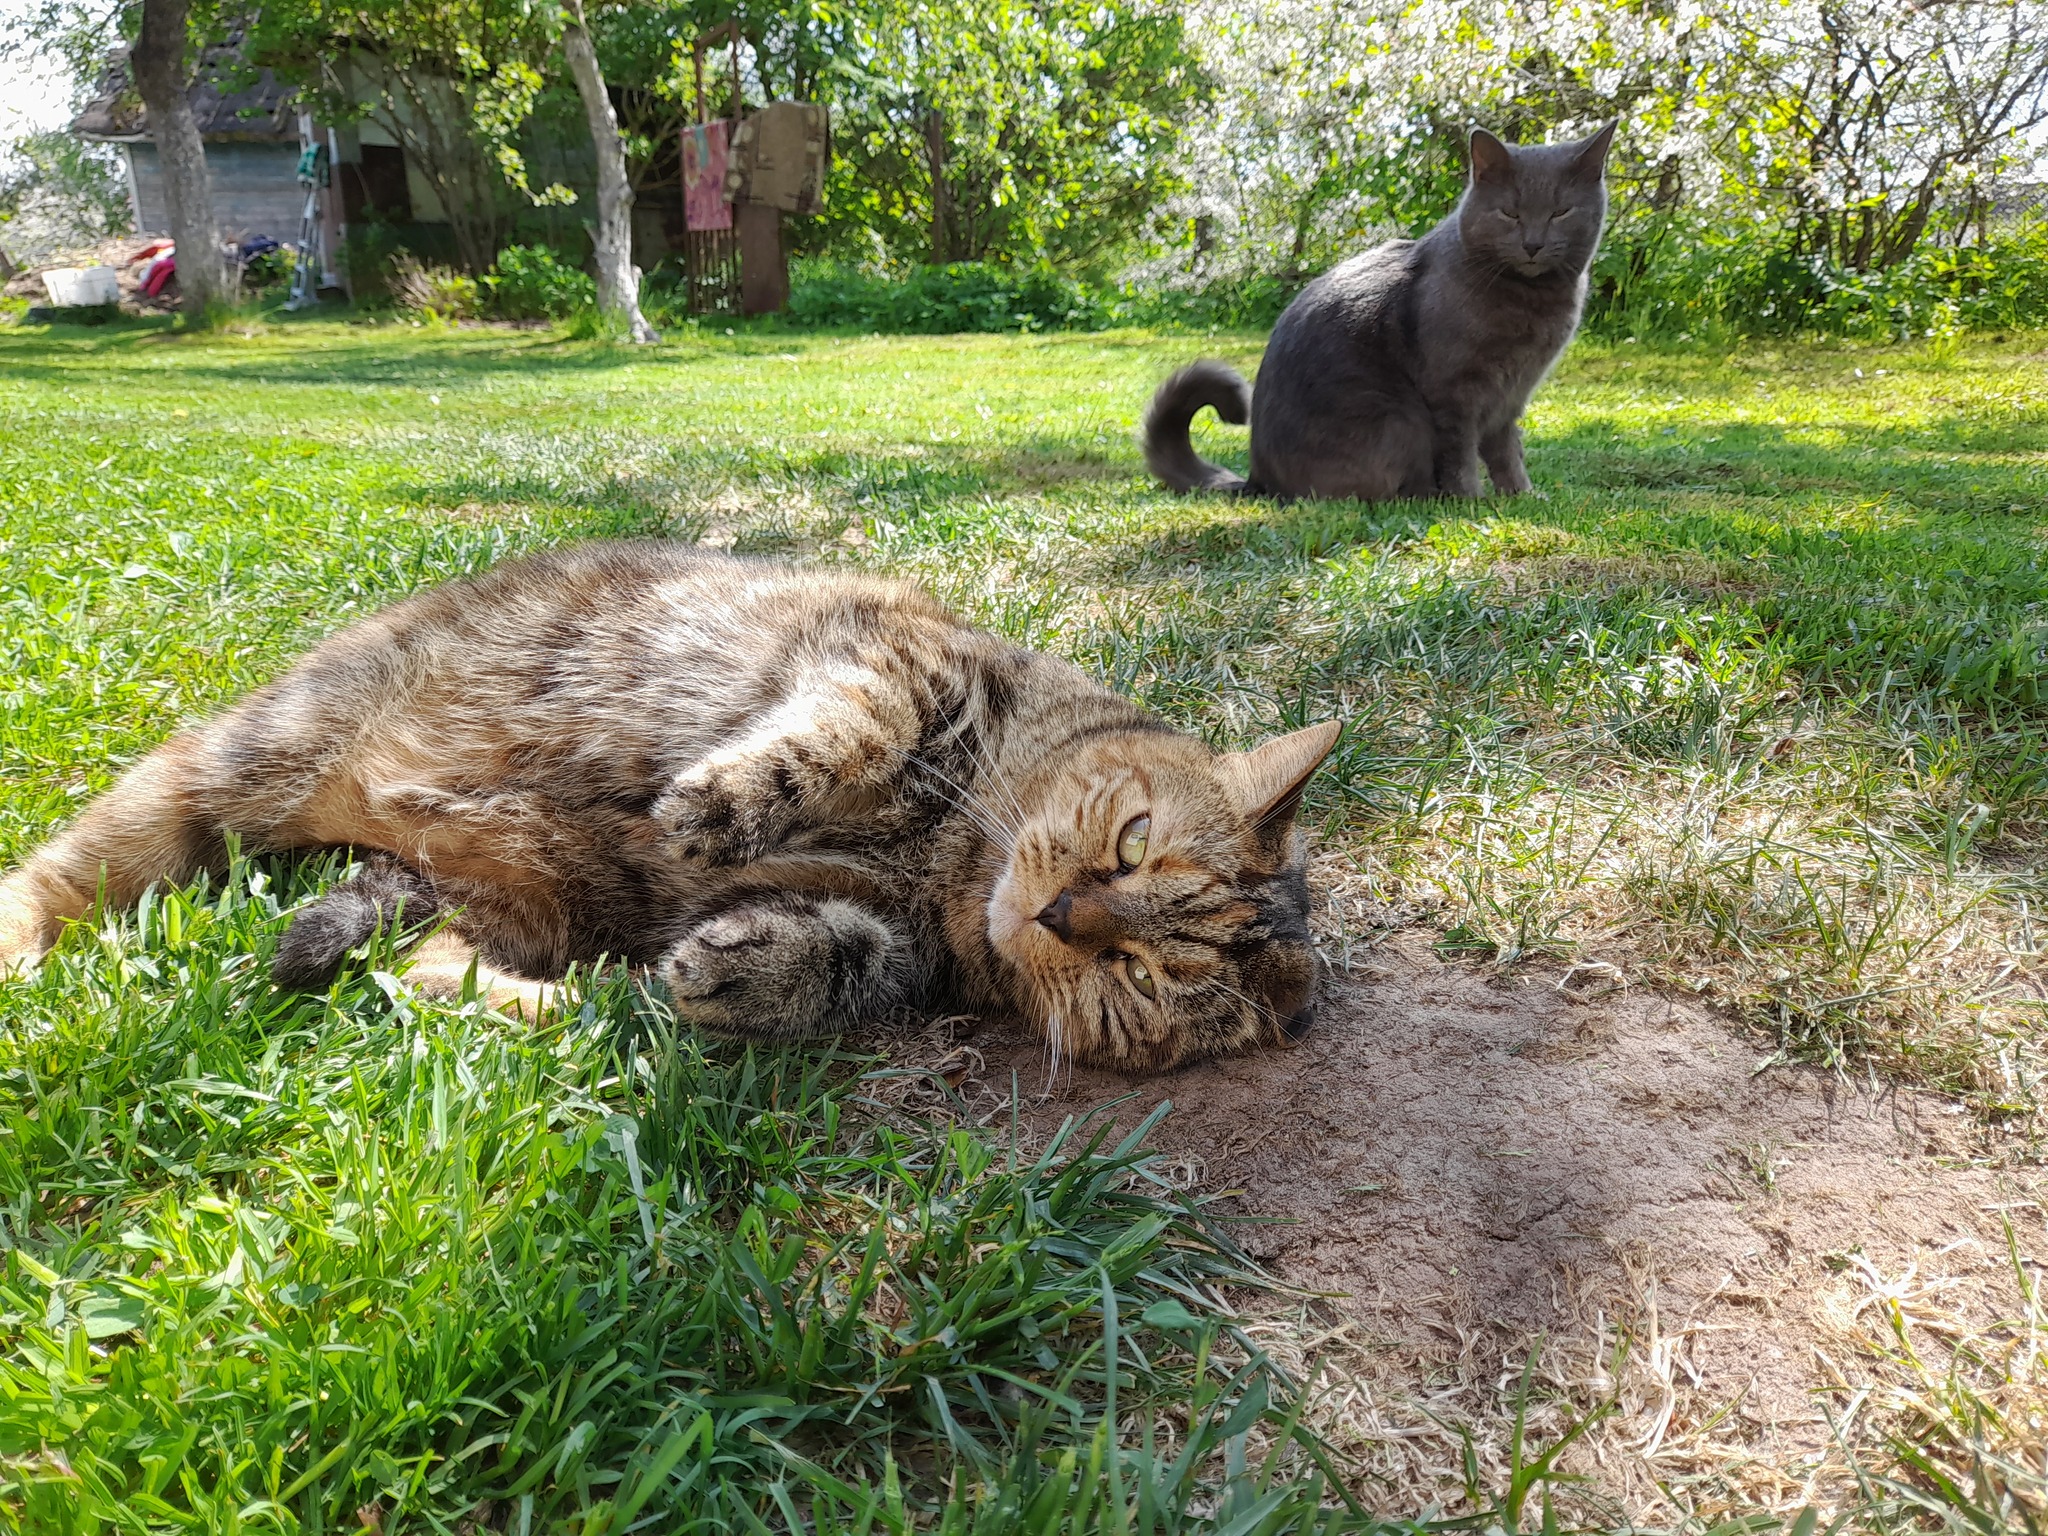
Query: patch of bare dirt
point(1457, 1164)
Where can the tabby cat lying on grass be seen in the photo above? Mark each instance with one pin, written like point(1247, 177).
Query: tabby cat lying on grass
point(801, 798)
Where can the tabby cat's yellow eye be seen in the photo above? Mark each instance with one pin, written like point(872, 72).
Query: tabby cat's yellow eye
point(1141, 976)
point(1130, 843)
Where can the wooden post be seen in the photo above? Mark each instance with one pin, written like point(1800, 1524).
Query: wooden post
point(764, 265)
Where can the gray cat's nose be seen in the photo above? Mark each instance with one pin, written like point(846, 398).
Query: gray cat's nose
point(1534, 248)
point(1059, 915)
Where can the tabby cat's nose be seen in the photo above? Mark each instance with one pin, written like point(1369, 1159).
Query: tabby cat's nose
point(1059, 915)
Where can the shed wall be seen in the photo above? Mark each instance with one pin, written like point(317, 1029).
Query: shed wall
point(256, 188)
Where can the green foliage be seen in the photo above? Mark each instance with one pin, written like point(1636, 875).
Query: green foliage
point(530, 282)
point(1693, 286)
point(1057, 122)
point(1695, 280)
point(58, 190)
point(436, 291)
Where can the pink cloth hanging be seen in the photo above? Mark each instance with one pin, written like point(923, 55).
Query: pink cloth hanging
point(704, 152)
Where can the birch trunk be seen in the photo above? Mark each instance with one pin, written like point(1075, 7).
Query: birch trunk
point(161, 79)
point(618, 285)
point(935, 152)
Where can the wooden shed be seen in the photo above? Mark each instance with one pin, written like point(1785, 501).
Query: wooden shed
point(252, 145)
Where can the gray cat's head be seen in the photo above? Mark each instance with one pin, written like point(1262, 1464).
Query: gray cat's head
point(1535, 211)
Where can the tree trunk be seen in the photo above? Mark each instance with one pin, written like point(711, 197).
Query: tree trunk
point(618, 284)
point(158, 60)
point(935, 151)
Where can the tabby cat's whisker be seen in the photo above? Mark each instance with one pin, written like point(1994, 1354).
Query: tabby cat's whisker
point(982, 814)
point(1260, 1011)
point(994, 774)
point(1054, 1031)
point(970, 740)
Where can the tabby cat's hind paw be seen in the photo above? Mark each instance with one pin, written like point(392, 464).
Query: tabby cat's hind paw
point(787, 967)
point(21, 934)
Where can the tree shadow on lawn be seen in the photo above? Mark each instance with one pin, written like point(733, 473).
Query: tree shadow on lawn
point(1911, 550)
point(1731, 489)
point(686, 485)
point(368, 358)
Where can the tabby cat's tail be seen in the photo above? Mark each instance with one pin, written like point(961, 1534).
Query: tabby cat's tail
point(1168, 451)
point(152, 828)
point(383, 891)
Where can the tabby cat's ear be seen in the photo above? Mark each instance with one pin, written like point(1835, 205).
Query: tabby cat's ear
point(1491, 161)
point(1591, 159)
point(1267, 781)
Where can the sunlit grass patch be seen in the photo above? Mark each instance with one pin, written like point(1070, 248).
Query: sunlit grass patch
point(307, 1256)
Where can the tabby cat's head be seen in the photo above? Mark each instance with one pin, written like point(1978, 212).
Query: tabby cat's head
point(1153, 906)
point(1535, 210)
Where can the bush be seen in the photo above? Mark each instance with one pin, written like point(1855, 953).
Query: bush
point(962, 296)
point(367, 252)
point(530, 282)
point(371, 250)
point(1674, 281)
point(1236, 304)
point(270, 272)
point(438, 291)
point(1679, 280)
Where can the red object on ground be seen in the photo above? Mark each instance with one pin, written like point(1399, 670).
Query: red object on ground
point(154, 248)
point(160, 272)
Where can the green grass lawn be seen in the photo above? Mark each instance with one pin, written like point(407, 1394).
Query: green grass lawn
point(1752, 703)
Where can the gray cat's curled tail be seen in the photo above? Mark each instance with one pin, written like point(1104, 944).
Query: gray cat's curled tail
point(1168, 451)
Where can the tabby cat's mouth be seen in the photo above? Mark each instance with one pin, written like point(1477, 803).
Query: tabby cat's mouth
point(1008, 921)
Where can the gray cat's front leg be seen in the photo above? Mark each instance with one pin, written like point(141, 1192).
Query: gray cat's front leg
point(788, 966)
point(1502, 452)
point(1457, 456)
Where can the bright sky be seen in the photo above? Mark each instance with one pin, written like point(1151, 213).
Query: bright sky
point(34, 93)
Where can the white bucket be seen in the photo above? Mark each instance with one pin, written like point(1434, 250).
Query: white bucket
point(71, 286)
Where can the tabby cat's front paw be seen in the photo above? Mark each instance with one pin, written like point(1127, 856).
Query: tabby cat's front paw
point(714, 815)
point(785, 967)
point(756, 970)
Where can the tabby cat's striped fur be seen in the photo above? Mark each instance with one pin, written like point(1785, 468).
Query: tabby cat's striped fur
point(801, 798)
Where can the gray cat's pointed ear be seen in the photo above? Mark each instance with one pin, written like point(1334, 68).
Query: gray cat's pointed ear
point(1591, 159)
point(1266, 782)
point(1490, 158)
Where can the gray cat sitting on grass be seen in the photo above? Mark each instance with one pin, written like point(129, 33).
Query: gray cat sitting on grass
point(1397, 372)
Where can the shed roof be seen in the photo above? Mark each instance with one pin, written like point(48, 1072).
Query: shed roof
point(230, 101)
